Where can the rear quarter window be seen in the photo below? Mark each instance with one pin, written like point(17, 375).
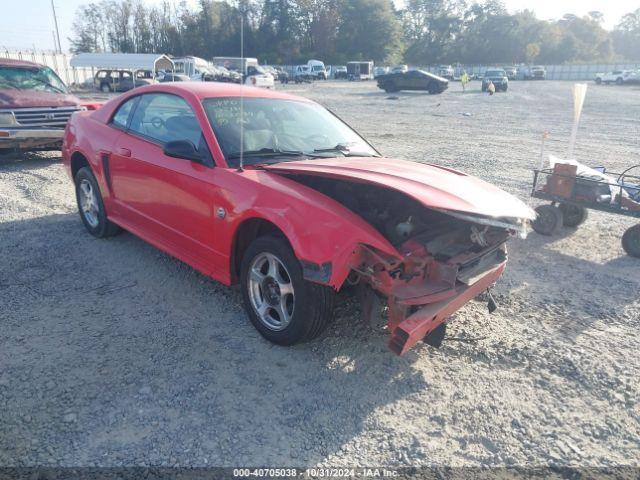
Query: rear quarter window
point(121, 117)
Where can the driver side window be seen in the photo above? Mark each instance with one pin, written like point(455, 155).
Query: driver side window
point(162, 118)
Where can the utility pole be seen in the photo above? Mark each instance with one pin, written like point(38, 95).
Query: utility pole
point(55, 22)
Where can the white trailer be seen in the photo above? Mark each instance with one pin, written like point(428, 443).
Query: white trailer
point(360, 70)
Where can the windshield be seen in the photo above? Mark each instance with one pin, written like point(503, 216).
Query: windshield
point(495, 73)
point(37, 78)
point(280, 129)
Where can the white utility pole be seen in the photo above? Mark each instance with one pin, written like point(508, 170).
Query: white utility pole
point(55, 22)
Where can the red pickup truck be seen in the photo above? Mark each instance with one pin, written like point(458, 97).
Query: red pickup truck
point(35, 106)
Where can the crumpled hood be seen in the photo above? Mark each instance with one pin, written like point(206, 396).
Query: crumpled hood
point(434, 186)
point(11, 98)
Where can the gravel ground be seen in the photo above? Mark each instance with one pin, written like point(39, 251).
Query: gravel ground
point(113, 353)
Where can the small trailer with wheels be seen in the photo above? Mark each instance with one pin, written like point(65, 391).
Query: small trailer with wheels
point(572, 195)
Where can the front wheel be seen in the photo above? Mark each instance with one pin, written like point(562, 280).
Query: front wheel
point(631, 241)
point(619, 81)
point(284, 307)
point(91, 207)
point(390, 88)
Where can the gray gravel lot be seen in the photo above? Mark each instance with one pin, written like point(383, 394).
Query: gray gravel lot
point(113, 353)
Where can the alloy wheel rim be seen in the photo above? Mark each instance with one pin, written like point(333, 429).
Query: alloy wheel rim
point(89, 203)
point(271, 291)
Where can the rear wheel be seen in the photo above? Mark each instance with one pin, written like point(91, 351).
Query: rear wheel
point(619, 81)
point(90, 205)
point(598, 81)
point(631, 241)
point(283, 307)
point(573, 215)
point(548, 220)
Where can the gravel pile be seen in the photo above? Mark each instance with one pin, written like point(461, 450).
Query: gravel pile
point(113, 353)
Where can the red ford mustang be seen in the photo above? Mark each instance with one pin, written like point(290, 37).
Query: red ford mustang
point(275, 192)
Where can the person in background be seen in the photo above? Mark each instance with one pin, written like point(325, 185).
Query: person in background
point(464, 79)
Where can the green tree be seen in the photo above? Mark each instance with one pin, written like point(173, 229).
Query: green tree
point(532, 52)
point(368, 30)
point(626, 36)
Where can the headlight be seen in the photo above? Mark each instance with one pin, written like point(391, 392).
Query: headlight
point(7, 118)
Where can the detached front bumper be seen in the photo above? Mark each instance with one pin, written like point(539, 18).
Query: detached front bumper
point(16, 137)
point(406, 331)
point(422, 291)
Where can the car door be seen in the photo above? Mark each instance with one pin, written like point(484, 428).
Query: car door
point(168, 201)
point(413, 81)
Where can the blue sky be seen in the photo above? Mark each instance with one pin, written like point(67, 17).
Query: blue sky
point(28, 24)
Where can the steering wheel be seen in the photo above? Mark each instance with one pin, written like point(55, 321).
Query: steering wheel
point(624, 174)
point(157, 122)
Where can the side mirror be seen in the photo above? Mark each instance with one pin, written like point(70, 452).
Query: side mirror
point(182, 149)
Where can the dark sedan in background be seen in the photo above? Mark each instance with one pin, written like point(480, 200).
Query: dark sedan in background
point(413, 80)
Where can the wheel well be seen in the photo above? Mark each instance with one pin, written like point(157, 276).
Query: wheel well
point(245, 234)
point(77, 162)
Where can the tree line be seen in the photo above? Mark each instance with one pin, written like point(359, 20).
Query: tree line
point(422, 32)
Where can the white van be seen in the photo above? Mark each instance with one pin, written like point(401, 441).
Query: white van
point(252, 73)
point(317, 70)
point(193, 67)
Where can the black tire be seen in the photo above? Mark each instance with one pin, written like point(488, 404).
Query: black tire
point(619, 81)
point(436, 336)
point(573, 215)
point(505, 88)
point(390, 88)
point(484, 88)
point(104, 227)
point(105, 88)
point(313, 307)
point(548, 221)
point(598, 81)
point(631, 241)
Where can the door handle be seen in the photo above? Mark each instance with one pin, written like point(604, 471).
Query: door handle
point(124, 152)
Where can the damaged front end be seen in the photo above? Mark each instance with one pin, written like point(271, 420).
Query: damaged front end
point(434, 277)
point(444, 259)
